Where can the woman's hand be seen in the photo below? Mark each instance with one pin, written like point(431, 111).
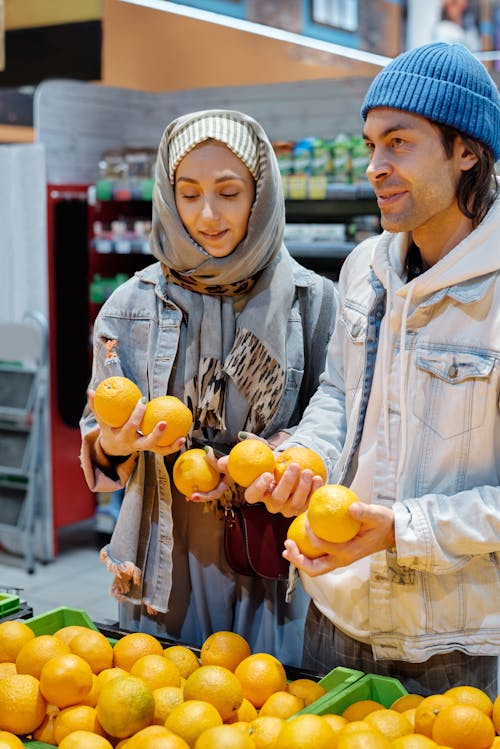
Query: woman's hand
point(220, 465)
point(128, 438)
point(375, 534)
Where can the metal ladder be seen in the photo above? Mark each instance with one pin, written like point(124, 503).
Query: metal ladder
point(26, 526)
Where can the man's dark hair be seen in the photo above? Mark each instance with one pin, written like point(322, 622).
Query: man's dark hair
point(477, 188)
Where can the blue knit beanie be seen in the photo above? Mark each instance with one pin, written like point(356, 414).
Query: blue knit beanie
point(444, 83)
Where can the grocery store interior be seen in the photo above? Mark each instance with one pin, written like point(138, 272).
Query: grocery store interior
point(86, 90)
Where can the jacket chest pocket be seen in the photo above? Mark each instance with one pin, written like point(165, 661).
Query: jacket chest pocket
point(451, 388)
point(355, 326)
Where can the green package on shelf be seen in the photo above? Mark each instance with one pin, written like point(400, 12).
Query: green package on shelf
point(104, 189)
point(133, 189)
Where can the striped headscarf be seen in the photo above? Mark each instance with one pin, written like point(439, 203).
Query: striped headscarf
point(223, 127)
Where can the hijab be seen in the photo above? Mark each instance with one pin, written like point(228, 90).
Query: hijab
point(226, 349)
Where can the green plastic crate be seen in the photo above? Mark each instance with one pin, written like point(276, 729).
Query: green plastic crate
point(335, 682)
point(8, 604)
point(383, 689)
point(49, 622)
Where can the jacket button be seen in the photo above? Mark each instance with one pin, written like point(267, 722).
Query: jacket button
point(356, 329)
point(453, 371)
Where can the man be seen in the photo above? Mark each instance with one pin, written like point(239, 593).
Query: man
point(407, 410)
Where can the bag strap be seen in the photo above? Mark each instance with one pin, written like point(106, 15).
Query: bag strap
point(317, 334)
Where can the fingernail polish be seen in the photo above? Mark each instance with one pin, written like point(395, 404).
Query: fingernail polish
point(144, 400)
point(242, 435)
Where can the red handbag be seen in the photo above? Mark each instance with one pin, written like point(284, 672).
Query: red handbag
point(254, 539)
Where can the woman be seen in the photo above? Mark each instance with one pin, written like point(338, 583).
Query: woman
point(219, 323)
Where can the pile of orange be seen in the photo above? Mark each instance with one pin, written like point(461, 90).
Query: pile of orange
point(226, 697)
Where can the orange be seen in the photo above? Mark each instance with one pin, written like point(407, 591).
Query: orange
point(183, 657)
point(307, 689)
point(406, 702)
point(93, 647)
point(174, 412)
point(360, 709)
point(363, 739)
point(328, 513)
point(65, 680)
point(109, 673)
point(69, 631)
point(45, 731)
point(156, 737)
point(357, 726)
point(260, 675)
point(13, 635)
point(166, 698)
point(265, 730)
point(462, 727)
point(495, 715)
point(305, 457)
point(282, 704)
point(36, 652)
point(414, 741)
point(114, 400)
point(129, 648)
point(245, 713)
point(125, 705)
point(224, 648)
point(410, 715)
point(91, 698)
point(306, 730)
point(224, 737)
point(193, 473)
point(297, 532)
point(427, 710)
point(248, 460)
point(472, 696)
point(84, 740)
point(336, 723)
point(7, 669)
point(390, 723)
point(216, 685)
point(22, 705)
point(76, 718)
point(189, 719)
point(157, 671)
point(9, 740)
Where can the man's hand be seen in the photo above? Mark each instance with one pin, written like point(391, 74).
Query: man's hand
point(290, 495)
point(376, 534)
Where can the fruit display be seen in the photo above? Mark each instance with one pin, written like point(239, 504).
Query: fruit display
point(222, 696)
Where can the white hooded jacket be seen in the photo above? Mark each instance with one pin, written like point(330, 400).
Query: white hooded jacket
point(423, 437)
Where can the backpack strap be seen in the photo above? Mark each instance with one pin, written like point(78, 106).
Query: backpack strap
point(315, 333)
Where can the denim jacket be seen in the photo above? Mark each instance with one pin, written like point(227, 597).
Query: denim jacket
point(438, 451)
point(140, 315)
